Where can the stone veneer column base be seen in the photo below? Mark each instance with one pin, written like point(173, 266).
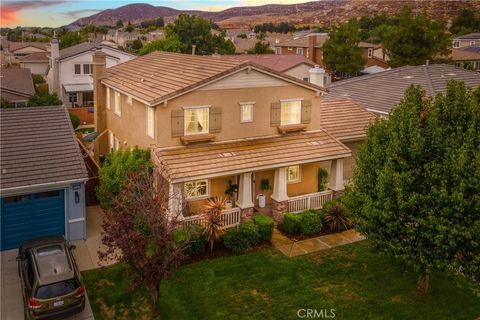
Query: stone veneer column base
point(338, 194)
point(279, 208)
point(246, 214)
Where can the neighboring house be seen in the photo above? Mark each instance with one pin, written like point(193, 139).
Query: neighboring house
point(467, 40)
point(16, 85)
point(19, 49)
point(122, 38)
point(37, 62)
point(381, 92)
point(209, 121)
point(43, 176)
point(466, 57)
point(155, 35)
point(242, 45)
point(70, 71)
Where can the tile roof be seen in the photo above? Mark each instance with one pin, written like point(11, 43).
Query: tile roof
point(78, 48)
point(278, 62)
point(14, 46)
point(465, 54)
point(38, 146)
point(216, 159)
point(35, 57)
point(303, 41)
point(380, 92)
point(17, 80)
point(344, 119)
point(159, 76)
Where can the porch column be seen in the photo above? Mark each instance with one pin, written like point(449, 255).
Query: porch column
point(336, 175)
point(175, 200)
point(245, 195)
point(279, 195)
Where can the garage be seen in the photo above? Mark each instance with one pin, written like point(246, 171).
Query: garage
point(42, 174)
point(31, 215)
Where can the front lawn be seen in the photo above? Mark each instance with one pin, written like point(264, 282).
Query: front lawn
point(352, 279)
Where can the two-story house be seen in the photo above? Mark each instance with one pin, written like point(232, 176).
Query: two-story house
point(212, 122)
point(70, 71)
point(466, 40)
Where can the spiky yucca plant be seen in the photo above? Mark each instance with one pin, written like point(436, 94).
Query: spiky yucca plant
point(212, 215)
point(335, 216)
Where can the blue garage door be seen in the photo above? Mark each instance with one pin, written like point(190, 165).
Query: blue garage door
point(31, 215)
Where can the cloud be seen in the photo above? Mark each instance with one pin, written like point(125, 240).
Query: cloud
point(75, 14)
point(10, 9)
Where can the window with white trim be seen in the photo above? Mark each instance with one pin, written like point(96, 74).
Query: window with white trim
point(108, 98)
point(456, 44)
point(77, 68)
point(291, 112)
point(472, 43)
point(370, 52)
point(293, 174)
point(196, 120)
point(278, 50)
point(150, 121)
point(300, 51)
point(117, 108)
point(82, 68)
point(246, 111)
point(196, 189)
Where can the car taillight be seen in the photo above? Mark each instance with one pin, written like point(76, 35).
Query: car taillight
point(80, 292)
point(33, 303)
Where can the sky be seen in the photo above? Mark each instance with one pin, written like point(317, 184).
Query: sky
point(55, 13)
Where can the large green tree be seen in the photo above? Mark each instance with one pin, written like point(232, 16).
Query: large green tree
point(416, 39)
point(467, 21)
point(416, 191)
point(341, 54)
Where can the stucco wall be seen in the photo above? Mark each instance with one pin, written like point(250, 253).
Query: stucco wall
point(300, 71)
point(35, 67)
point(308, 176)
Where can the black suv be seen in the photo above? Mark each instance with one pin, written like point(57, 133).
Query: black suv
point(51, 282)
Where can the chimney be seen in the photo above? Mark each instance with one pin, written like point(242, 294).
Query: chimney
point(99, 101)
point(193, 49)
point(312, 41)
point(317, 76)
point(54, 76)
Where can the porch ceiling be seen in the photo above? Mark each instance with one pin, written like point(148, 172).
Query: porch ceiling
point(220, 159)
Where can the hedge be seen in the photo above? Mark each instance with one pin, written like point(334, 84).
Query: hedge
point(265, 226)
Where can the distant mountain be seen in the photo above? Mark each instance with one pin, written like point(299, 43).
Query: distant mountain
point(324, 12)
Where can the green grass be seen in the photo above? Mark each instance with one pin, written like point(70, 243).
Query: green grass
point(352, 279)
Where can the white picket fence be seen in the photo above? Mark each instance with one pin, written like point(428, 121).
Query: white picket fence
point(230, 218)
point(309, 201)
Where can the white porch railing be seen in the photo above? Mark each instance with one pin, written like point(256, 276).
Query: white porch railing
point(309, 201)
point(230, 218)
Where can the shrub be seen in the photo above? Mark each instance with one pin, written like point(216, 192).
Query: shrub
point(336, 216)
point(194, 235)
point(265, 226)
point(75, 120)
point(291, 223)
point(114, 171)
point(243, 238)
point(38, 78)
point(310, 222)
point(322, 179)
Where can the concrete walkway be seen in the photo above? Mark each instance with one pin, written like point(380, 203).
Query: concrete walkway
point(292, 248)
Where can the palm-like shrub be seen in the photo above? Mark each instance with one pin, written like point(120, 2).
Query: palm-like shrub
point(212, 215)
point(336, 216)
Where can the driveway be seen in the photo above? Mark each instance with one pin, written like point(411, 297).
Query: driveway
point(11, 305)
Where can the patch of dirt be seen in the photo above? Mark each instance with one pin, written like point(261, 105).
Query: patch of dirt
point(106, 311)
point(339, 292)
point(396, 299)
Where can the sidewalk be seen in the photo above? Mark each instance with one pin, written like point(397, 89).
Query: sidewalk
point(292, 248)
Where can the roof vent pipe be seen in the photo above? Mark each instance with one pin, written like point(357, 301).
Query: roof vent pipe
point(193, 49)
point(427, 62)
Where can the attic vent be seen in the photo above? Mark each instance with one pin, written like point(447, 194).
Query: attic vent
point(227, 154)
point(407, 77)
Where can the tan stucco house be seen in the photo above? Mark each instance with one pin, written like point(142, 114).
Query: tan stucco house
point(212, 122)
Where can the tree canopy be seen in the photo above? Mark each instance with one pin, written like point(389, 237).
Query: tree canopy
point(261, 46)
point(416, 39)
point(467, 21)
point(341, 53)
point(416, 191)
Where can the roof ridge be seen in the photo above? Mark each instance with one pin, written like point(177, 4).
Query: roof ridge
point(370, 76)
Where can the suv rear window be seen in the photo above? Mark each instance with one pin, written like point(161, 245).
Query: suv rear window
point(57, 289)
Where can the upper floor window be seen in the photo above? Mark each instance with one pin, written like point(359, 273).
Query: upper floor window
point(117, 108)
point(150, 121)
point(108, 98)
point(300, 51)
point(456, 44)
point(196, 120)
point(278, 50)
point(196, 189)
point(291, 112)
point(472, 43)
point(370, 52)
point(82, 68)
point(289, 48)
point(293, 174)
point(246, 111)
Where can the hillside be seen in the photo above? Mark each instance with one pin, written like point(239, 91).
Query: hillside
point(326, 12)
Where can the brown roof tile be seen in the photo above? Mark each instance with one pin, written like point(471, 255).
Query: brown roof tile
point(38, 146)
point(35, 57)
point(278, 62)
point(17, 80)
point(14, 46)
point(217, 159)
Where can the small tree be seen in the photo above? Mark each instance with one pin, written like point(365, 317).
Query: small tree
point(212, 215)
point(75, 120)
point(262, 46)
point(43, 98)
point(417, 183)
point(139, 231)
point(341, 54)
point(119, 23)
